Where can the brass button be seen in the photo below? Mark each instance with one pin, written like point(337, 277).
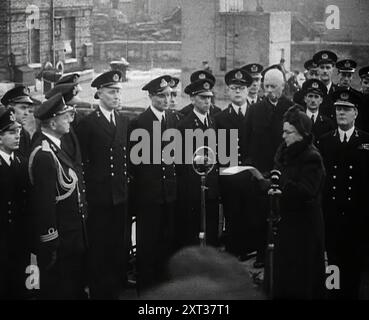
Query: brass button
point(10, 220)
point(112, 174)
point(334, 187)
point(334, 177)
point(349, 199)
point(333, 198)
point(351, 167)
point(350, 177)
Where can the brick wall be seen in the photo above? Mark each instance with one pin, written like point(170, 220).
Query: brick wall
point(4, 70)
point(16, 23)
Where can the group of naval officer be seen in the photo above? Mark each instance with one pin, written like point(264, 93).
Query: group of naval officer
point(70, 192)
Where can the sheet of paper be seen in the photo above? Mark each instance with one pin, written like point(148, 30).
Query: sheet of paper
point(234, 170)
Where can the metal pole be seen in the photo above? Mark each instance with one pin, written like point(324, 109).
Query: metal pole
point(202, 234)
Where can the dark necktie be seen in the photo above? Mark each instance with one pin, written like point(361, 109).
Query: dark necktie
point(240, 114)
point(163, 123)
point(206, 122)
point(12, 162)
point(111, 120)
point(312, 118)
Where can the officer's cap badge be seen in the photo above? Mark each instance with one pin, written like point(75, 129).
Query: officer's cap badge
point(206, 86)
point(347, 64)
point(344, 96)
point(254, 68)
point(115, 77)
point(25, 91)
point(172, 83)
point(238, 75)
point(324, 56)
point(74, 92)
point(202, 76)
point(163, 83)
point(315, 85)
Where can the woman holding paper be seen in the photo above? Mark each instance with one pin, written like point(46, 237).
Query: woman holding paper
point(299, 271)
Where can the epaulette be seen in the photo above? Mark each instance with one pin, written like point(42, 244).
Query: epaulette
point(45, 146)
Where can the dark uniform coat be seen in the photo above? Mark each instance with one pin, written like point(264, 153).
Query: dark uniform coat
point(322, 125)
point(24, 143)
point(153, 196)
point(235, 190)
point(189, 186)
point(362, 120)
point(187, 109)
point(299, 271)
point(346, 204)
point(105, 163)
point(58, 221)
point(327, 106)
point(13, 228)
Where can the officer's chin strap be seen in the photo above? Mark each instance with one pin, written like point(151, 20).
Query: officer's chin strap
point(66, 182)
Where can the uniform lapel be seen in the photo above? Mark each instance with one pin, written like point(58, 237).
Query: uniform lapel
point(61, 155)
point(103, 122)
point(233, 116)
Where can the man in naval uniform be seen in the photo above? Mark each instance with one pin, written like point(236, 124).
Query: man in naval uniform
point(154, 186)
point(345, 152)
point(189, 182)
point(362, 120)
point(234, 189)
point(14, 256)
point(103, 139)
point(314, 92)
point(326, 61)
point(202, 75)
point(311, 72)
point(57, 207)
point(19, 99)
point(255, 70)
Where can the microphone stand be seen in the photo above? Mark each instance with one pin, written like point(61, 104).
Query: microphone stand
point(203, 165)
point(274, 192)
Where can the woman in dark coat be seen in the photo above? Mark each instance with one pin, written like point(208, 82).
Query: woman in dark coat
point(299, 270)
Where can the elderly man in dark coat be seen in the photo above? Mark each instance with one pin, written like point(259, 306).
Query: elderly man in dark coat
point(263, 127)
point(299, 244)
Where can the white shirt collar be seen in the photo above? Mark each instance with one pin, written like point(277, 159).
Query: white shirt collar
point(329, 86)
point(7, 156)
point(158, 114)
point(309, 114)
point(348, 133)
point(107, 114)
point(243, 108)
point(202, 117)
point(252, 100)
point(55, 140)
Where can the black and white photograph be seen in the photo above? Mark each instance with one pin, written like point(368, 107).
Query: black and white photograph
point(202, 151)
